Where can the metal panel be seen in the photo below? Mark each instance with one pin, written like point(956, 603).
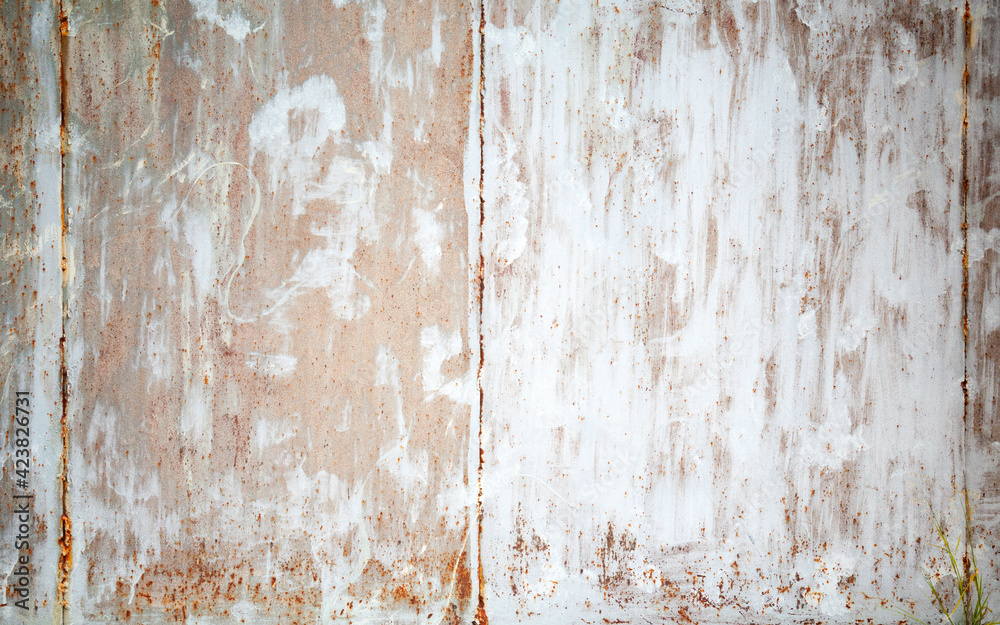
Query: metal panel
point(983, 216)
point(271, 374)
point(723, 308)
point(31, 278)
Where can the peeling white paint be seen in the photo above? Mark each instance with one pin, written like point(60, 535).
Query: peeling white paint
point(235, 23)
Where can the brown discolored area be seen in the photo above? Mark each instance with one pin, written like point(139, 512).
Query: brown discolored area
point(983, 222)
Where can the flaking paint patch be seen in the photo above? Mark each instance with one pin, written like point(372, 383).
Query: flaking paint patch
point(234, 22)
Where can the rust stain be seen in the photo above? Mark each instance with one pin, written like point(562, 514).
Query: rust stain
point(65, 539)
point(964, 174)
point(65, 556)
point(481, 617)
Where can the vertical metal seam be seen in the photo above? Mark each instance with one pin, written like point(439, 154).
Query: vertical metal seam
point(481, 617)
point(967, 434)
point(65, 526)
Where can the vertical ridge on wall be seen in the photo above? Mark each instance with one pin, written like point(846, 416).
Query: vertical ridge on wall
point(30, 303)
point(481, 617)
point(65, 513)
point(964, 189)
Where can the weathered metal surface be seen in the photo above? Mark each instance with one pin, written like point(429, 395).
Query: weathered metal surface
point(729, 253)
point(270, 360)
point(983, 355)
point(30, 301)
point(723, 307)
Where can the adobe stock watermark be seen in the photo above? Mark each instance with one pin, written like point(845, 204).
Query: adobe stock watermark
point(19, 585)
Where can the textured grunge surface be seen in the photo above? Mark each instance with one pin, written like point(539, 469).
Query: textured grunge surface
point(534, 311)
point(30, 296)
point(270, 365)
point(723, 307)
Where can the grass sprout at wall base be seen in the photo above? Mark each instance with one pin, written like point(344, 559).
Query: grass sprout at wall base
point(962, 599)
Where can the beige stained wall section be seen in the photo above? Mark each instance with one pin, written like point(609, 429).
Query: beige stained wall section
point(270, 363)
point(522, 311)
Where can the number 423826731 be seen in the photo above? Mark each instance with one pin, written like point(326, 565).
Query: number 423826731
point(22, 440)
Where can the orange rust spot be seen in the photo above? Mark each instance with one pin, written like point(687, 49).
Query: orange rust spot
point(65, 555)
point(151, 72)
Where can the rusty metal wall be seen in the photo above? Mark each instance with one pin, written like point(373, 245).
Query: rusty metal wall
point(523, 311)
point(271, 365)
point(31, 308)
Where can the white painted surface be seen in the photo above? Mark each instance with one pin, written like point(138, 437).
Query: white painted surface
point(724, 344)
